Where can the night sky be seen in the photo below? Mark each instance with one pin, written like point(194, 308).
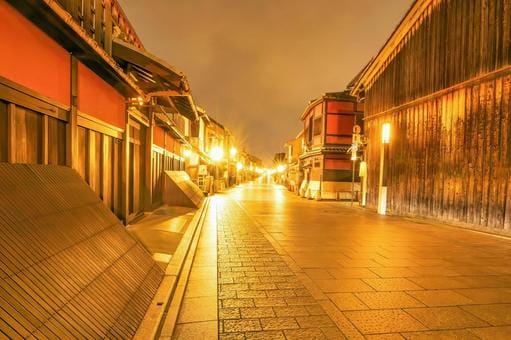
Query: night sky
point(255, 64)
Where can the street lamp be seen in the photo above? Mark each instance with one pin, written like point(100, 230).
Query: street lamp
point(233, 152)
point(382, 186)
point(239, 168)
point(216, 153)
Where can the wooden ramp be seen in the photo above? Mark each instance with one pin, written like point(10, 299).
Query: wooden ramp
point(68, 268)
point(181, 191)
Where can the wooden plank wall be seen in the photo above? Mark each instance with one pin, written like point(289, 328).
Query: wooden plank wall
point(447, 96)
point(27, 136)
point(31, 137)
point(99, 162)
point(452, 42)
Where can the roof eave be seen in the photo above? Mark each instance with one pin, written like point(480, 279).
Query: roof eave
point(399, 33)
point(55, 21)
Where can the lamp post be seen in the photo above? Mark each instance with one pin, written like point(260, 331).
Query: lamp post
point(382, 186)
point(354, 150)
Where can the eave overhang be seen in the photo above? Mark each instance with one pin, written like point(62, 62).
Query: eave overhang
point(60, 26)
point(157, 78)
point(310, 106)
point(169, 124)
point(384, 55)
point(325, 149)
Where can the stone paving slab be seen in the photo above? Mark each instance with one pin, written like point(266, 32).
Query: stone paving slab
point(386, 277)
point(288, 268)
point(260, 297)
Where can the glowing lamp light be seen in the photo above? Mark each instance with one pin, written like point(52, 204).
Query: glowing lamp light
point(281, 168)
point(216, 153)
point(233, 152)
point(187, 153)
point(239, 166)
point(385, 133)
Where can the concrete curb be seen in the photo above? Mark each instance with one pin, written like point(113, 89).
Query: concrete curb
point(171, 289)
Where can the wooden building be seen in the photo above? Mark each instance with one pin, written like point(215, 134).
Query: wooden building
point(327, 134)
point(294, 174)
point(443, 83)
point(77, 88)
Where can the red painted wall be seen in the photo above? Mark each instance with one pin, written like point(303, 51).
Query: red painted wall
point(171, 143)
point(338, 164)
point(338, 139)
point(32, 59)
point(99, 99)
point(160, 139)
point(158, 136)
point(340, 107)
point(340, 124)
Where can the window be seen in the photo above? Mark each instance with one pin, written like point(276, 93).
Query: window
point(317, 126)
point(309, 129)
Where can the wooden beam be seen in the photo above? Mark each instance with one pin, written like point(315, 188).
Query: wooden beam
point(11, 133)
point(149, 165)
point(106, 163)
point(125, 170)
point(72, 124)
point(45, 140)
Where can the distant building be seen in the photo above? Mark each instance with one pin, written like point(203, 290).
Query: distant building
point(328, 126)
point(294, 173)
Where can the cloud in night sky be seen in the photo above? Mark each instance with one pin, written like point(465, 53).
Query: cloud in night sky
point(255, 64)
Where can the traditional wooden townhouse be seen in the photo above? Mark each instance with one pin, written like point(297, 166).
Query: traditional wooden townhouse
point(77, 88)
point(294, 173)
point(328, 124)
point(437, 98)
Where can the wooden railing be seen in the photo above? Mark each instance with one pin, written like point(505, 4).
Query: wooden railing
point(102, 20)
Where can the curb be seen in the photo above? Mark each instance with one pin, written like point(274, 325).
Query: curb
point(168, 297)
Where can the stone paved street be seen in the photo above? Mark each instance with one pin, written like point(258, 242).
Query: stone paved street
point(290, 268)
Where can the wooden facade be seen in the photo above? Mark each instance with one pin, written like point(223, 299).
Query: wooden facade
point(443, 82)
point(62, 108)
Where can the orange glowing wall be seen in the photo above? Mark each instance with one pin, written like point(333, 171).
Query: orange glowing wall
point(99, 99)
point(32, 59)
point(158, 136)
point(162, 140)
point(171, 143)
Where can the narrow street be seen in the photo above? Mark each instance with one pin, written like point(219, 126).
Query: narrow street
point(290, 268)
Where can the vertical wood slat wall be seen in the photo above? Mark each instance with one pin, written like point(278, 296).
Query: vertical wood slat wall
point(27, 136)
point(446, 92)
